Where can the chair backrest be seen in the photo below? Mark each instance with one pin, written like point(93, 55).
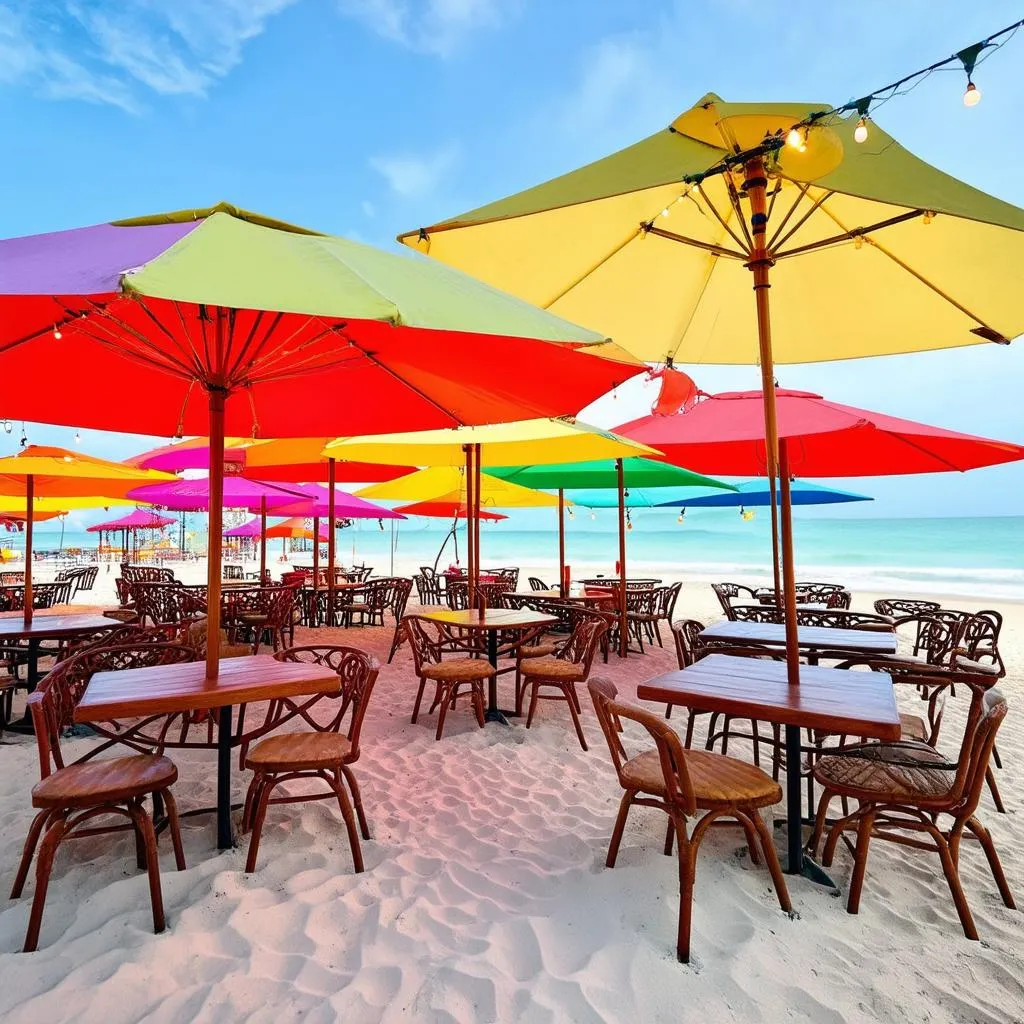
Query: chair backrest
point(457, 595)
point(510, 573)
point(839, 599)
point(979, 639)
point(756, 613)
point(357, 672)
point(146, 574)
point(841, 618)
point(900, 606)
point(425, 641)
point(687, 637)
point(53, 702)
point(583, 641)
point(47, 595)
point(666, 600)
point(538, 584)
point(233, 572)
point(156, 602)
point(814, 592)
point(610, 712)
point(400, 591)
point(987, 713)
point(428, 588)
point(727, 592)
point(935, 635)
point(10, 577)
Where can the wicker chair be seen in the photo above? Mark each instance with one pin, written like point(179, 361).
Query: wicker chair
point(728, 592)
point(69, 795)
point(428, 588)
point(233, 572)
point(905, 787)
point(370, 601)
point(255, 615)
point(897, 607)
point(681, 783)
point(428, 640)
point(12, 578)
point(561, 672)
point(324, 752)
point(538, 584)
point(400, 592)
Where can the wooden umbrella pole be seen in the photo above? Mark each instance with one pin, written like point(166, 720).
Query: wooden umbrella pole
point(314, 616)
point(30, 487)
point(470, 539)
point(216, 516)
point(263, 539)
point(330, 541)
point(760, 264)
point(476, 511)
point(623, 617)
point(775, 541)
point(561, 543)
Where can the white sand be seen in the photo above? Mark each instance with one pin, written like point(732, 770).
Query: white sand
point(485, 896)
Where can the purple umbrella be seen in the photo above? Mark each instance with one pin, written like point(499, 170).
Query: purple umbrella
point(346, 506)
point(249, 529)
point(239, 492)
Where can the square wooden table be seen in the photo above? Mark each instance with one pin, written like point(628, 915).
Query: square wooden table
point(492, 621)
point(830, 699)
point(164, 689)
point(812, 639)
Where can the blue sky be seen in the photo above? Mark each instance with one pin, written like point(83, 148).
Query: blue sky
point(367, 117)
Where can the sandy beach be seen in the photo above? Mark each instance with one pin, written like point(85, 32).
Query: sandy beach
point(485, 896)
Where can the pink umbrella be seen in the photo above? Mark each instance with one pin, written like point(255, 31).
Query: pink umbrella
point(251, 528)
point(239, 492)
point(134, 522)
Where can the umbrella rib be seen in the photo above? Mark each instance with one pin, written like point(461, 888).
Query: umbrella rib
point(257, 320)
point(280, 351)
point(167, 363)
point(116, 344)
point(187, 337)
point(816, 205)
point(802, 192)
point(734, 200)
point(695, 243)
point(721, 220)
point(68, 318)
point(184, 346)
point(848, 234)
point(593, 268)
point(259, 347)
point(712, 263)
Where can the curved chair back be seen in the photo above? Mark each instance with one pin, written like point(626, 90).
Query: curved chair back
point(425, 641)
point(899, 606)
point(583, 641)
point(536, 583)
point(728, 592)
point(977, 748)
point(686, 633)
point(428, 587)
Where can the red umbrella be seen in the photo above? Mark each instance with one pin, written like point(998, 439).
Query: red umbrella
point(724, 434)
point(445, 510)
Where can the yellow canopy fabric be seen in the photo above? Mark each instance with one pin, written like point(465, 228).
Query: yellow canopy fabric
point(59, 473)
point(882, 254)
point(532, 442)
point(14, 505)
point(448, 484)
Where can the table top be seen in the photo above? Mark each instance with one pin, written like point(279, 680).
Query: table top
point(556, 595)
point(816, 638)
point(162, 689)
point(45, 627)
point(491, 618)
point(837, 700)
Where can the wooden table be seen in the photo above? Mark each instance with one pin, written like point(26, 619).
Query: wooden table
point(556, 595)
point(492, 621)
point(830, 699)
point(164, 689)
point(812, 639)
point(47, 627)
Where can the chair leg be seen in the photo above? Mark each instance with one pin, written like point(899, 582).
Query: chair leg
point(534, 692)
point(419, 698)
point(860, 861)
point(995, 756)
point(620, 825)
point(691, 721)
point(668, 710)
point(31, 841)
point(446, 696)
point(257, 823)
point(753, 839)
point(350, 822)
point(955, 888)
point(985, 838)
point(44, 864)
point(994, 790)
point(687, 869)
point(252, 799)
point(819, 822)
point(772, 857)
point(575, 717)
point(670, 833)
point(478, 702)
point(145, 827)
point(174, 826)
point(357, 799)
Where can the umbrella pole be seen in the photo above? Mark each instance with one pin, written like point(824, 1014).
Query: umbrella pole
point(476, 509)
point(330, 542)
point(561, 542)
point(30, 486)
point(316, 568)
point(623, 619)
point(470, 539)
point(775, 541)
point(215, 527)
point(263, 539)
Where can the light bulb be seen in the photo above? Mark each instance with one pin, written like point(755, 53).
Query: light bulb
point(8, 426)
point(972, 96)
point(593, 514)
point(664, 212)
point(927, 218)
point(629, 524)
point(680, 517)
point(78, 437)
point(858, 242)
point(860, 133)
point(58, 335)
point(794, 139)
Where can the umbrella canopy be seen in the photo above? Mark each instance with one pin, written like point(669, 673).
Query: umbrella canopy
point(752, 493)
point(445, 509)
point(501, 444)
point(250, 528)
point(726, 432)
point(603, 473)
point(14, 505)
point(292, 460)
point(316, 504)
point(448, 484)
point(239, 492)
point(274, 319)
point(140, 519)
point(649, 244)
point(60, 473)
point(294, 528)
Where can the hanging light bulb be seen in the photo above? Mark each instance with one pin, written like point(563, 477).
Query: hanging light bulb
point(56, 330)
point(664, 212)
point(972, 95)
point(8, 426)
point(858, 242)
point(593, 514)
point(572, 515)
point(629, 524)
point(860, 133)
point(927, 218)
point(78, 437)
point(681, 517)
point(795, 140)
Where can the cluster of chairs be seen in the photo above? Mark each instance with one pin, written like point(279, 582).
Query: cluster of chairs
point(81, 577)
point(44, 595)
point(71, 794)
point(737, 599)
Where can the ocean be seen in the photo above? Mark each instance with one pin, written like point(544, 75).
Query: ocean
point(982, 556)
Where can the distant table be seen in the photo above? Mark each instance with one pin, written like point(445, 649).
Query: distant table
point(830, 699)
point(556, 595)
point(165, 689)
point(47, 627)
point(812, 639)
point(492, 621)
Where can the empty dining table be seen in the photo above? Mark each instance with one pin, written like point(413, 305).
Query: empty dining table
point(812, 640)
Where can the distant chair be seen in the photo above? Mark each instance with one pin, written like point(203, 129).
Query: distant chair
point(233, 572)
point(538, 584)
point(400, 592)
point(895, 607)
point(728, 592)
point(428, 587)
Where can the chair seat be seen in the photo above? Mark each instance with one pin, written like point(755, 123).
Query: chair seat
point(913, 727)
point(251, 618)
point(102, 782)
point(553, 668)
point(538, 650)
point(872, 774)
point(294, 751)
point(459, 670)
point(717, 780)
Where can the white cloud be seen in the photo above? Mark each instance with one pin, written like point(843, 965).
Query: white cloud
point(413, 176)
point(438, 27)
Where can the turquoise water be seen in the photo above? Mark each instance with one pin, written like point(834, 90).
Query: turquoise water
point(983, 556)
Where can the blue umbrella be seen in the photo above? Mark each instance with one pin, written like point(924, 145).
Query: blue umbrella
point(756, 492)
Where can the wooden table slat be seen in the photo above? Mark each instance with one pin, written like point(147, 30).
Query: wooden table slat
point(48, 627)
point(810, 638)
point(491, 618)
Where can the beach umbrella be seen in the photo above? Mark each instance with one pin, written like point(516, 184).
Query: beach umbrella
point(219, 321)
point(610, 474)
point(441, 508)
point(59, 473)
point(757, 493)
point(251, 528)
point(449, 483)
point(133, 523)
point(533, 441)
point(295, 529)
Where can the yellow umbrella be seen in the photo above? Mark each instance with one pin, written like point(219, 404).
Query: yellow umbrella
point(14, 505)
point(448, 484)
point(63, 474)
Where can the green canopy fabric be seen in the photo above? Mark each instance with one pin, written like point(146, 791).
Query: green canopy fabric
point(602, 473)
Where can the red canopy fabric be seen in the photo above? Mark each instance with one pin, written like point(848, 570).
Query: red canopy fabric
point(140, 519)
point(724, 434)
point(444, 510)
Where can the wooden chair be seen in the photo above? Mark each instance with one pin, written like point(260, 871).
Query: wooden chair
point(71, 795)
point(905, 787)
point(561, 672)
point(400, 592)
point(896, 607)
point(728, 592)
point(681, 783)
point(323, 753)
point(428, 640)
point(428, 587)
point(538, 584)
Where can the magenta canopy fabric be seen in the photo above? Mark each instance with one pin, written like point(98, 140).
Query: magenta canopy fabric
point(140, 519)
point(346, 506)
point(247, 529)
point(239, 492)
